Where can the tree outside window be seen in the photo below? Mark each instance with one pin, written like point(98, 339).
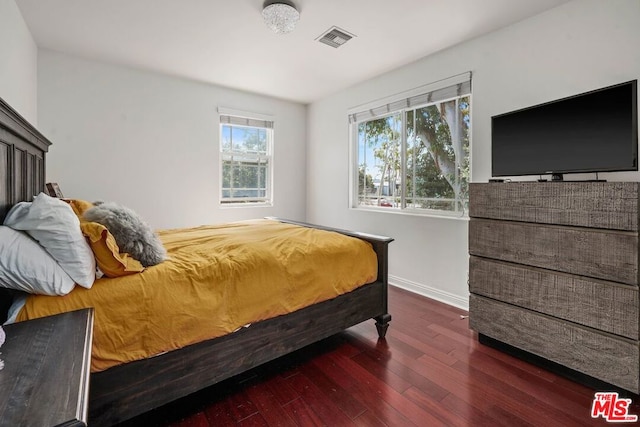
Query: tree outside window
point(245, 155)
point(415, 159)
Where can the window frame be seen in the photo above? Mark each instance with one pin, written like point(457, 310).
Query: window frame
point(240, 119)
point(367, 112)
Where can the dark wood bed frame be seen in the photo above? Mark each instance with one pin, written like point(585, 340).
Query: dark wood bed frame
point(124, 391)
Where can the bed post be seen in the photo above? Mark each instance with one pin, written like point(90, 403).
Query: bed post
point(381, 247)
point(382, 323)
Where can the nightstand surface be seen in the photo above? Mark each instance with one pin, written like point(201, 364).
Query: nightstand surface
point(45, 380)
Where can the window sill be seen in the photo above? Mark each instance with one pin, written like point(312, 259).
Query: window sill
point(464, 216)
point(245, 205)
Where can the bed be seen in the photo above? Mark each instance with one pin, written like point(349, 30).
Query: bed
point(123, 391)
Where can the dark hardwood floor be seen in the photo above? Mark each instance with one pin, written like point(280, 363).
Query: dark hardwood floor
point(430, 371)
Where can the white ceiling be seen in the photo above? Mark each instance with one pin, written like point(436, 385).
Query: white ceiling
point(225, 42)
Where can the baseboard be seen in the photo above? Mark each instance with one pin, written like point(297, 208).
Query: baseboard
point(429, 292)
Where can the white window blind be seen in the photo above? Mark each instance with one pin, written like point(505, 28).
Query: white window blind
point(245, 121)
point(446, 89)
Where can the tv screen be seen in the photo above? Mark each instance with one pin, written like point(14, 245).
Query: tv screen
point(595, 131)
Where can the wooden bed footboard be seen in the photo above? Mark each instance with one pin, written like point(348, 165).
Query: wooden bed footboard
point(124, 391)
point(380, 245)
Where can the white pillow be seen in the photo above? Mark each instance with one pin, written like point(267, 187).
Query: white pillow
point(54, 225)
point(26, 266)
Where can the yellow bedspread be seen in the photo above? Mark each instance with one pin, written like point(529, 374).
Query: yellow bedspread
point(218, 279)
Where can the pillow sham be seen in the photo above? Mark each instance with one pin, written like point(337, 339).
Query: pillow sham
point(110, 261)
point(132, 234)
point(54, 225)
point(27, 266)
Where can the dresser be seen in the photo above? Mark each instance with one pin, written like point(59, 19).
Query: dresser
point(553, 271)
point(45, 380)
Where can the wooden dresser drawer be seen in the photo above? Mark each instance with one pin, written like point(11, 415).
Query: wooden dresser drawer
point(606, 205)
point(604, 305)
point(608, 255)
point(604, 356)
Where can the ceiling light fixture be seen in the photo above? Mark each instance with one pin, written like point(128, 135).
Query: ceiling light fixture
point(280, 16)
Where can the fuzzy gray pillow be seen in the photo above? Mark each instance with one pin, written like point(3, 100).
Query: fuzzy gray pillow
point(132, 234)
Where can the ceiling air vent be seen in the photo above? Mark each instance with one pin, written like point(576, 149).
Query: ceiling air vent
point(335, 37)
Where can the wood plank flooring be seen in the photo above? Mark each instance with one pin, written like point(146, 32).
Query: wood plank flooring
point(430, 371)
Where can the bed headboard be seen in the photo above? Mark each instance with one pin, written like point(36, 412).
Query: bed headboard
point(22, 159)
point(22, 168)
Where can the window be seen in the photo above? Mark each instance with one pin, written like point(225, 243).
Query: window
point(412, 154)
point(246, 147)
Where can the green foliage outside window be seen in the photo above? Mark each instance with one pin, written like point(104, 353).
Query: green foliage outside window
point(245, 164)
point(416, 158)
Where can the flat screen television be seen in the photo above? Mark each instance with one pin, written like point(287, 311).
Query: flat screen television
point(596, 131)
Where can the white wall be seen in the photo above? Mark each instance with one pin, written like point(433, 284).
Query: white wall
point(18, 67)
point(582, 45)
point(150, 142)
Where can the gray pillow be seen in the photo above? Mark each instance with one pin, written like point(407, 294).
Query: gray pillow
point(132, 234)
